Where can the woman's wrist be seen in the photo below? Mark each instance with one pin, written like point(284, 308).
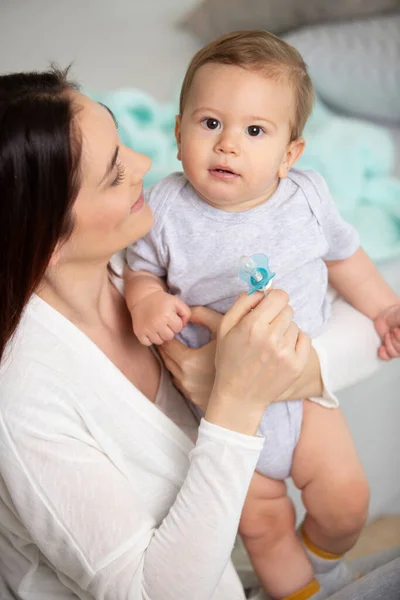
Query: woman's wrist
point(309, 383)
point(233, 414)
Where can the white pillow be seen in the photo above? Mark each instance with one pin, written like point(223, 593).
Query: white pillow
point(355, 66)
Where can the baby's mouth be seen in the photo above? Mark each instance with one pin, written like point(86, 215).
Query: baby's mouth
point(223, 173)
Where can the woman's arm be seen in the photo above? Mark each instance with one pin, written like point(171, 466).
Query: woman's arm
point(89, 515)
point(91, 522)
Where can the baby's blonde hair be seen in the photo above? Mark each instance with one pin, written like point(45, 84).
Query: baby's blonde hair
point(258, 50)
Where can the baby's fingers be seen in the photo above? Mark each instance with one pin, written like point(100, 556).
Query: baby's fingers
point(391, 345)
point(395, 340)
point(396, 335)
point(176, 323)
point(183, 311)
point(155, 338)
point(382, 353)
point(144, 339)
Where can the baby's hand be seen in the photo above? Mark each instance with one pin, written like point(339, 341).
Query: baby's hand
point(387, 324)
point(158, 317)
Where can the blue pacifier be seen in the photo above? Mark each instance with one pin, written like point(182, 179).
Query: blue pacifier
point(254, 270)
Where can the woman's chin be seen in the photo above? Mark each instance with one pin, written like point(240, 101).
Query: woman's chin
point(140, 223)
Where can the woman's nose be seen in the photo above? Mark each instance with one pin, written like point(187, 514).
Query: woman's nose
point(139, 164)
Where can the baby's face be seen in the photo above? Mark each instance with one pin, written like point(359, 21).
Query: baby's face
point(234, 134)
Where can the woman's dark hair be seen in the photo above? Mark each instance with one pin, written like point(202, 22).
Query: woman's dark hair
point(39, 180)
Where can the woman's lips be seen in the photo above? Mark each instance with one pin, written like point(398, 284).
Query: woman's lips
point(138, 204)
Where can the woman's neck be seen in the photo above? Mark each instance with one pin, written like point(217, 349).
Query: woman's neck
point(82, 292)
point(85, 295)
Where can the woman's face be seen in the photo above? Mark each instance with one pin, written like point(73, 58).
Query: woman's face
point(109, 212)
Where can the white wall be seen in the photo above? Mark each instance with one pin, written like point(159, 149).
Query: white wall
point(113, 43)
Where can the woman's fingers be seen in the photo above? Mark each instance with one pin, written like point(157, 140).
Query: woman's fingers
point(282, 321)
point(298, 342)
point(173, 350)
point(201, 315)
point(239, 309)
point(265, 307)
point(169, 358)
point(291, 335)
point(303, 349)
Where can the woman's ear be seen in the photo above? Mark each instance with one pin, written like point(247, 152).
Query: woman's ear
point(178, 135)
point(292, 155)
point(55, 257)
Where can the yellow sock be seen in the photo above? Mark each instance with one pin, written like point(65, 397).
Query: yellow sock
point(330, 569)
point(306, 592)
point(318, 551)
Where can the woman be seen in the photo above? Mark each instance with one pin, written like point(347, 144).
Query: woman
point(108, 487)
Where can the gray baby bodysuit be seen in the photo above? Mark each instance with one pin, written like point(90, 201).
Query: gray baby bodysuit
point(197, 247)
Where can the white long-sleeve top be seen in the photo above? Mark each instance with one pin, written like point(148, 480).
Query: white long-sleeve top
point(102, 495)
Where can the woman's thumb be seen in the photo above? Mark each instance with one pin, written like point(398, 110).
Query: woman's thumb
point(201, 315)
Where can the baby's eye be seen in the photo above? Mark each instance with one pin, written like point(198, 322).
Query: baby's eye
point(211, 123)
point(255, 130)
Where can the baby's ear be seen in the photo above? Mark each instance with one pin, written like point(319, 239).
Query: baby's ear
point(178, 135)
point(292, 155)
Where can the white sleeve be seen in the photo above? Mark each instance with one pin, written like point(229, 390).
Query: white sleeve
point(342, 238)
point(350, 329)
point(89, 520)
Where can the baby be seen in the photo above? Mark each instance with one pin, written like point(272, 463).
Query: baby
point(244, 102)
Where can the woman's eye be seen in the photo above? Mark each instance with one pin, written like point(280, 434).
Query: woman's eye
point(120, 174)
point(211, 123)
point(255, 130)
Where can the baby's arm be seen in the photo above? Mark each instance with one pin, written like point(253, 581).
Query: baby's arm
point(357, 279)
point(360, 283)
point(351, 272)
point(156, 315)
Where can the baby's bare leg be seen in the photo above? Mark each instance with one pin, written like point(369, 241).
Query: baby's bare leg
point(327, 470)
point(267, 528)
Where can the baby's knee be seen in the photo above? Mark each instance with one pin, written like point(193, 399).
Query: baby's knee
point(347, 510)
point(266, 521)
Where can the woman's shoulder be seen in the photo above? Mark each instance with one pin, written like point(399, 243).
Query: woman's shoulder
point(38, 367)
point(31, 374)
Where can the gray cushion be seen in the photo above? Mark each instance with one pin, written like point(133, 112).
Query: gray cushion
point(355, 66)
point(214, 17)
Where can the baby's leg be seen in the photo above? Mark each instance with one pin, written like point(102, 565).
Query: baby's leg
point(267, 528)
point(335, 492)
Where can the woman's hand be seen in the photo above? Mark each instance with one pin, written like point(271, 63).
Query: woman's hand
point(260, 353)
point(193, 370)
